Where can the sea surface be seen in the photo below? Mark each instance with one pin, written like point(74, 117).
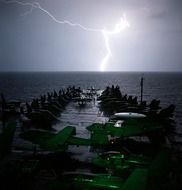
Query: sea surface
point(167, 87)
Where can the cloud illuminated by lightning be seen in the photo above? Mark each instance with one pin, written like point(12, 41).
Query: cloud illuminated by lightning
point(123, 24)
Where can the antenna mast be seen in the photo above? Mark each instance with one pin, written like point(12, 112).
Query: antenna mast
point(141, 85)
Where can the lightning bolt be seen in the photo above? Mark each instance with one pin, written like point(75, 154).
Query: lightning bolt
point(123, 24)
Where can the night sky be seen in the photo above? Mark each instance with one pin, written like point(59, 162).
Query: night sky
point(33, 41)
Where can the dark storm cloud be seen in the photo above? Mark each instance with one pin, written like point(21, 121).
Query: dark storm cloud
point(166, 9)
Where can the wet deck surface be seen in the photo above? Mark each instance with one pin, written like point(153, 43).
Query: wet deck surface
point(81, 117)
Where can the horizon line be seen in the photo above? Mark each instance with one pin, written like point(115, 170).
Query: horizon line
point(66, 71)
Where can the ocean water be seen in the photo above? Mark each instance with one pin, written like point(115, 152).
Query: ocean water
point(167, 87)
